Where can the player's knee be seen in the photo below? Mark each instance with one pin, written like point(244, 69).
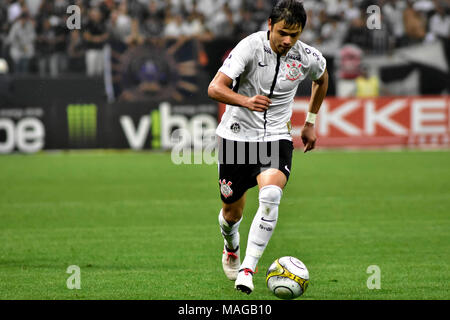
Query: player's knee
point(232, 214)
point(270, 195)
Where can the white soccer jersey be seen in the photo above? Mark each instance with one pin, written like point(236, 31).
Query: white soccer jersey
point(257, 70)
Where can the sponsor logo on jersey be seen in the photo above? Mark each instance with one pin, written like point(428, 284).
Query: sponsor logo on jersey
point(294, 57)
point(225, 188)
point(262, 64)
point(293, 71)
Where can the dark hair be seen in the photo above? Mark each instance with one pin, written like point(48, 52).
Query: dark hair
point(291, 11)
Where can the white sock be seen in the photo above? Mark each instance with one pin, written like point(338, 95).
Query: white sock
point(263, 225)
point(229, 232)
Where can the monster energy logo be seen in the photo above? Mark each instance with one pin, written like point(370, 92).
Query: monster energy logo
point(82, 124)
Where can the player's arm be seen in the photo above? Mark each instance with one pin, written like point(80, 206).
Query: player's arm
point(318, 92)
point(220, 90)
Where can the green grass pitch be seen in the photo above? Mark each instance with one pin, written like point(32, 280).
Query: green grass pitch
point(140, 227)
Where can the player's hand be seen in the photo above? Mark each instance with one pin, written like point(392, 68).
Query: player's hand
point(257, 103)
point(308, 137)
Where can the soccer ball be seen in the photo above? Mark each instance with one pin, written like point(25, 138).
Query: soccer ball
point(287, 278)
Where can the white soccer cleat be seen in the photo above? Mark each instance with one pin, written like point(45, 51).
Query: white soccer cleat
point(231, 263)
point(244, 281)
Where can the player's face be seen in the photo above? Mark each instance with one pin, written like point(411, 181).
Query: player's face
point(283, 37)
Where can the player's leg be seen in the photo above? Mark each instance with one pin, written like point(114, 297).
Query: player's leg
point(271, 183)
point(230, 218)
point(233, 183)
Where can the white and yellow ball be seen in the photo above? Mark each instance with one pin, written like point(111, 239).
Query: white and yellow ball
point(287, 278)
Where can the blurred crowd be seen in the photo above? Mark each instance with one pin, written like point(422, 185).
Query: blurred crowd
point(34, 36)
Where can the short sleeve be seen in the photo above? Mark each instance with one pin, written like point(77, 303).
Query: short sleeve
point(238, 59)
point(318, 64)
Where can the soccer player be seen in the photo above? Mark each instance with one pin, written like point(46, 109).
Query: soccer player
point(258, 82)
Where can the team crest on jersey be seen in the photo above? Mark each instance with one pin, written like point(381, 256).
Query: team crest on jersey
point(225, 188)
point(235, 127)
point(293, 71)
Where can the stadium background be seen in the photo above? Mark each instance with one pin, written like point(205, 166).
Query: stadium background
point(138, 69)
